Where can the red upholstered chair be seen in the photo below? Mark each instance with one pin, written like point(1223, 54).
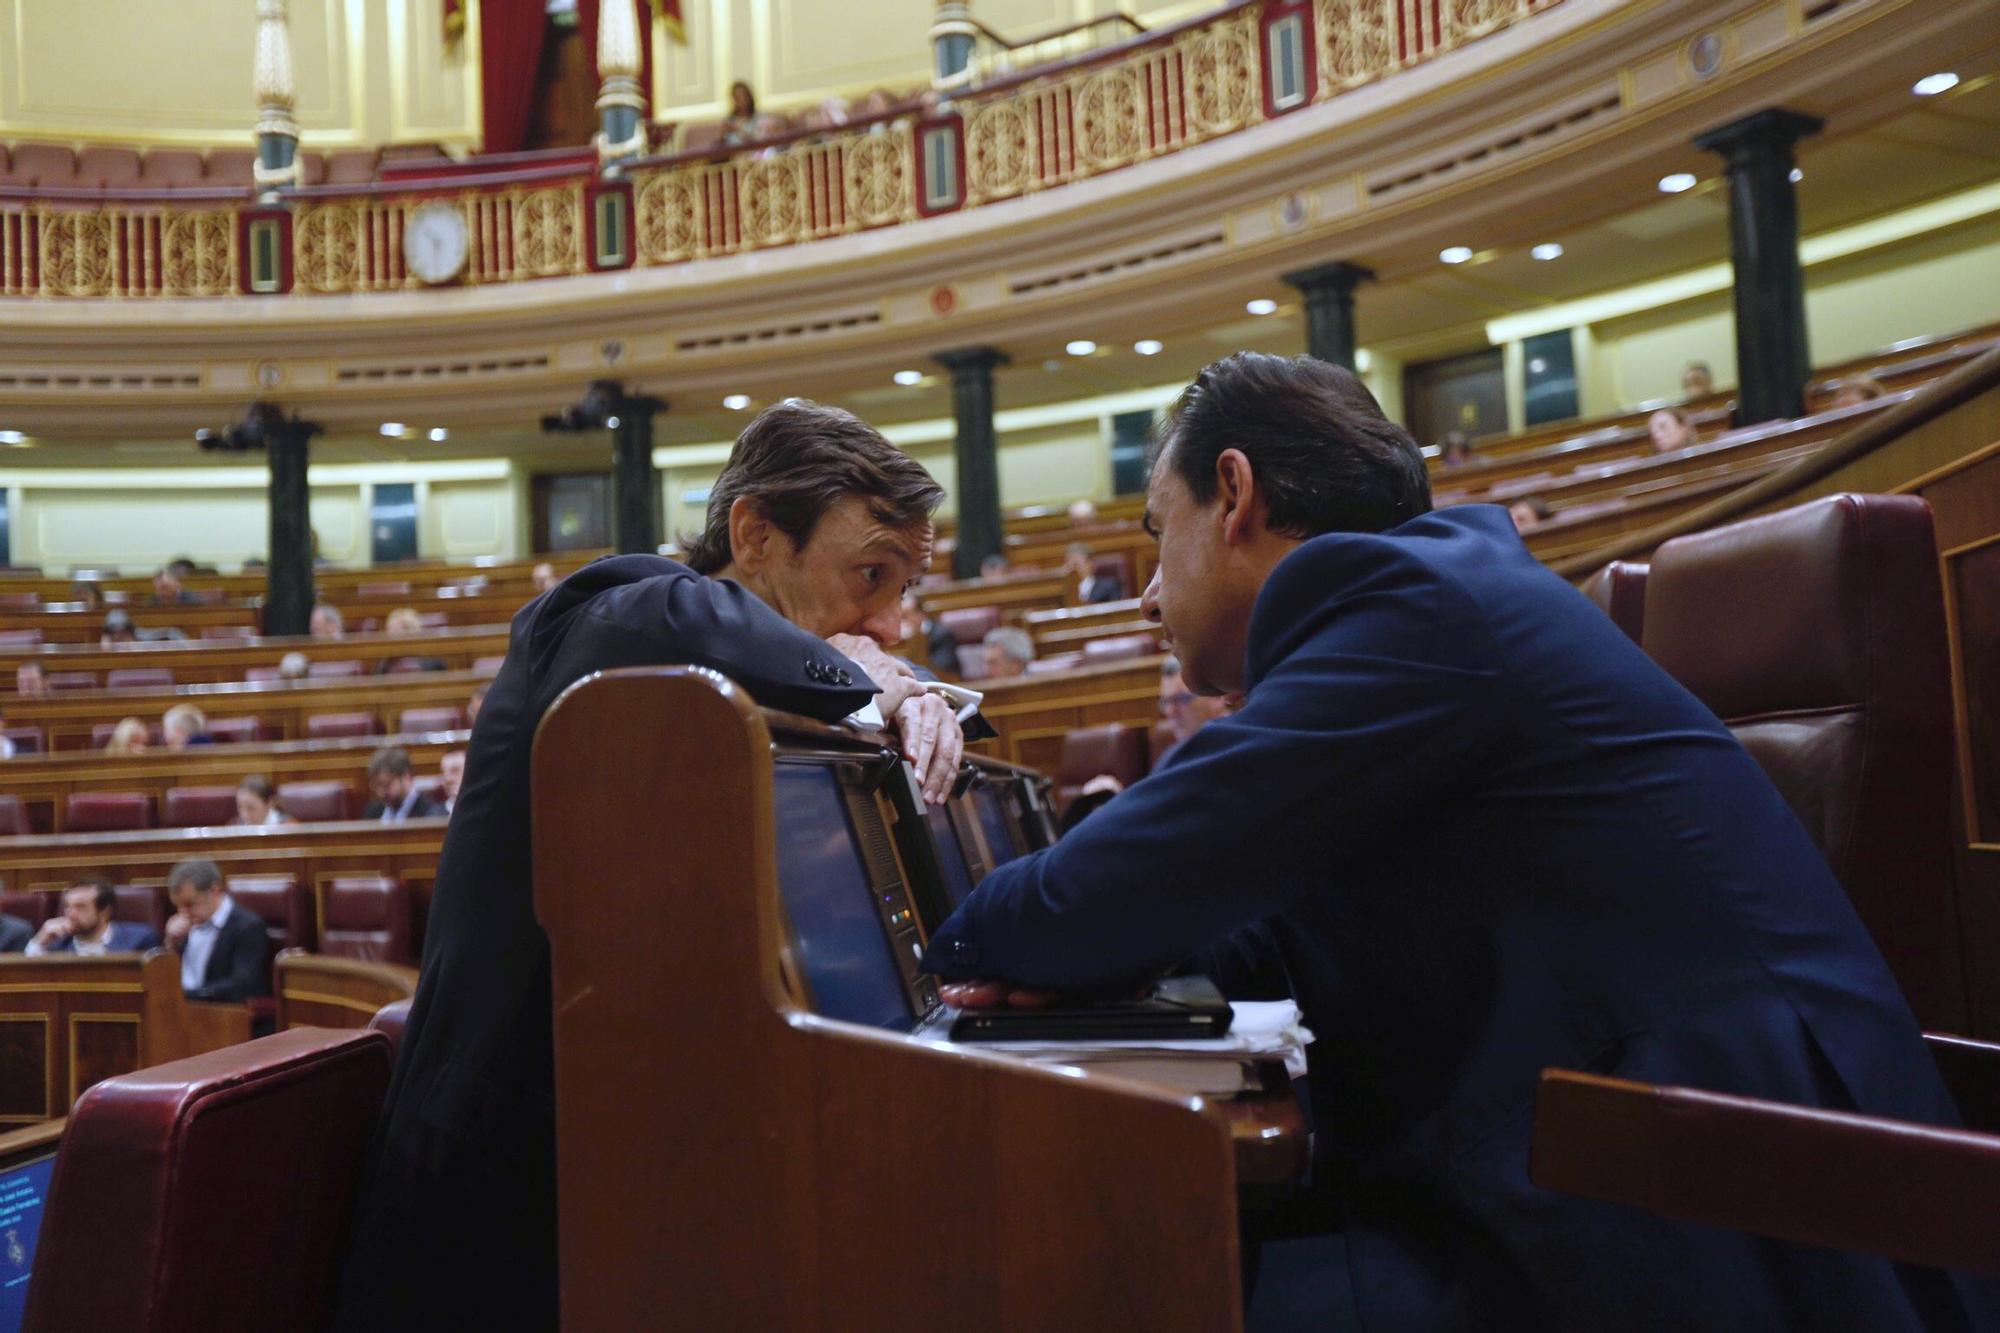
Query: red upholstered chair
point(210, 1193)
point(324, 725)
point(72, 680)
point(33, 906)
point(1619, 589)
point(341, 668)
point(367, 917)
point(1118, 648)
point(49, 165)
point(1042, 666)
point(197, 807)
point(146, 904)
point(390, 1020)
point(236, 730)
point(100, 167)
point(230, 166)
point(970, 624)
point(284, 904)
point(350, 166)
point(19, 638)
point(255, 675)
point(27, 740)
point(139, 678)
point(312, 168)
point(1818, 635)
point(13, 818)
point(170, 168)
point(1111, 748)
point(1115, 566)
point(317, 802)
point(414, 720)
point(107, 811)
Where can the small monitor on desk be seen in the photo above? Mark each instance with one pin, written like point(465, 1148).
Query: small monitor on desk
point(25, 1169)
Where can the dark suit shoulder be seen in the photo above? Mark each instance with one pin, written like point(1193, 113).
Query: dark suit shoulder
point(14, 934)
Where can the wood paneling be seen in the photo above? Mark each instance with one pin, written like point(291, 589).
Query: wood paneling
point(1034, 713)
point(224, 661)
point(321, 992)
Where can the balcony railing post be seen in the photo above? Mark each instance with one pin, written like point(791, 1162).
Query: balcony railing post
point(277, 130)
point(621, 102)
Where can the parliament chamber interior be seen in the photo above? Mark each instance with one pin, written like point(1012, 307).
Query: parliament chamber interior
point(1011, 664)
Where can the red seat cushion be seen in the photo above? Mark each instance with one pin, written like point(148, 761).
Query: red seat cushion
point(103, 166)
point(230, 166)
point(72, 680)
point(210, 1193)
point(285, 906)
point(969, 624)
point(414, 720)
point(139, 678)
point(197, 807)
point(1087, 752)
point(367, 917)
point(145, 904)
point(107, 811)
point(33, 906)
point(390, 1020)
point(1118, 648)
point(13, 817)
point(317, 802)
point(165, 168)
point(236, 730)
point(323, 725)
point(1619, 589)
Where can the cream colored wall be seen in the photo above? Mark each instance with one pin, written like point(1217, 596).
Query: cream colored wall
point(177, 72)
point(459, 520)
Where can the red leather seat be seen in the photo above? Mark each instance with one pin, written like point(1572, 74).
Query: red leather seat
point(230, 166)
point(969, 624)
point(1619, 589)
point(1118, 648)
point(367, 917)
point(324, 725)
point(236, 730)
point(1042, 666)
point(107, 811)
point(284, 904)
point(103, 167)
point(210, 1193)
point(13, 817)
point(19, 638)
point(1818, 635)
point(256, 674)
point(48, 165)
point(72, 680)
point(27, 740)
point(350, 166)
point(170, 168)
point(340, 668)
point(412, 721)
point(317, 802)
point(390, 1020)
point(145, 904)
point(139, 678)
point(1111, 748)
point(197, 807)
point(33, 906)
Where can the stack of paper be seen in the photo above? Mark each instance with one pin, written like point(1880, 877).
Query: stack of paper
point(1260, 1031)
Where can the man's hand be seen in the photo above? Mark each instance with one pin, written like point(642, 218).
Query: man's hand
point(994, 995)
point(894, 681)
point(53, 932)
point(178, 926)
point(932, 742)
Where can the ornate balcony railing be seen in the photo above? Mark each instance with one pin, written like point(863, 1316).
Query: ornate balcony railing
point(1105, 109)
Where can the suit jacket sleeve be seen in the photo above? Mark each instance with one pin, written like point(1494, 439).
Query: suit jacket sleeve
point(1373, 699)
point(236, 969)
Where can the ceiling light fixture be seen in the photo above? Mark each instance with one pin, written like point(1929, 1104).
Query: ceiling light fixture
point(1932, 84)
point(1080, 347)
point(1263, 305)
point(1147, 347)
point(909, 377)
point(1547, 250)
point(736, 402)
point(1676, 183)
point(1455, 254)
point(439, 434)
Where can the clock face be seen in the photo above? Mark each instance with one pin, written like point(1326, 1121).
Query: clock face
point(435, 243)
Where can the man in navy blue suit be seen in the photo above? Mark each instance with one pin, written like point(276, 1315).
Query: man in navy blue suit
point(86, 925)
point(1483, 835)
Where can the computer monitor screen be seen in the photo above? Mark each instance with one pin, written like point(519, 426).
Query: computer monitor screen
point(952, 860)
point(987, 798)
point(24, 1191)
point(837, 934)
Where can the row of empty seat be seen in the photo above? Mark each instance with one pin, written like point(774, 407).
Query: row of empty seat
point(322, 801)
point(250, 730)
point(57, 166)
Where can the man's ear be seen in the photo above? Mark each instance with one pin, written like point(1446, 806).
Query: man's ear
point(1236, 488)
point(750, 535)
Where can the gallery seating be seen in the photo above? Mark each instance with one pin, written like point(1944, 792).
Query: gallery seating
point(13, 818)
point(366, 917)
point(327, 725)
point(317, 802)
point(107, 811)
point(1619, 589)
point(1112, 749)
point(197, 807)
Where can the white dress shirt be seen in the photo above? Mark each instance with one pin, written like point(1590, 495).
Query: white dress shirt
point(200, 944)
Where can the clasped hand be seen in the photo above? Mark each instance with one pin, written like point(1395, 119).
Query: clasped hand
point(924, 723)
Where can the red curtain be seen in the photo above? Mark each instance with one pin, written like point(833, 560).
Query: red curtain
point(510, 36)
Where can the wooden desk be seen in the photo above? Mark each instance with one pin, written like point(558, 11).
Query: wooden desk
point(334, 583)
point(315, 991)
point(1034, 713)
point(198, 661)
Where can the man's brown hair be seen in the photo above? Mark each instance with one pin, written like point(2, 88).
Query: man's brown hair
point(795, 461)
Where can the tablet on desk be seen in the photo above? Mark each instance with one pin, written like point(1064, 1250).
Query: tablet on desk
point(1179, 1008)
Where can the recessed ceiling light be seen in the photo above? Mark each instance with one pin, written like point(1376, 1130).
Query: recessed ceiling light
point(1080, 347)
point(12, 437)
point(1797, 175)
point(393, 428)
point(736, 402)
point(439, 434)
point(1263, 305)
point(1455, 254)
point(1932, 84)
point(1547, 250)
point(909, 377)
point(1674, 184)
point(1147, 347)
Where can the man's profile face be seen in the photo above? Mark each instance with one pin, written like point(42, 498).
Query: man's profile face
point(1204, 623)
point(80, 911)
point(197, 905)
point(851, 574)
point(29, 682)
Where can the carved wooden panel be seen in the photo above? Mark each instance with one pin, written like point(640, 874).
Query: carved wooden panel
point(100, 1046)
point(24, 1068)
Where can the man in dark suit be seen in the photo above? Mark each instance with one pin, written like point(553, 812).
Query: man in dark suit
point(14, 934)
point(1092, 587)
point(225, 953)
point(1486, 836)
point(815, 528)
point(393, 785)
point(87, 927)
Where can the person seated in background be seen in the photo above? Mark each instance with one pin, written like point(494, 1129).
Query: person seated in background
point(940, 647)
point(15, 934)
point(1182, 709)
point(1529, 512)
point(30, 681)
point(294, 666)
point(746, 124)
point(544, 577)
point(1454, 449)
point(393, 784)
point(128, 737)
point(257, 804)
point(1091, 587)
point(326, 622)
point(1856, 390)
point(184, 725)
point(451, 776)
point(221, 943)
point(1082, 513)
point(167, 590)
point(995, 566)
point(403, 623)
point(1670, 429)
point(1008, 651)
point(1697, 380)
point(118, 628)
point(89, 593)
point(474, 702)
point(86, 925)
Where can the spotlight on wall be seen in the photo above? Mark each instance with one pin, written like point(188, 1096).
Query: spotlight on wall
point(1676, 183)
point(736, 402)
point(1147, 347)
point(1263, 305)
point(1932, 84)
point(12, 437)
point(908, 377)
point(1455, 254)
point(393, 429)
point(439, 434)
point(1547, 250)
point(1080, 347)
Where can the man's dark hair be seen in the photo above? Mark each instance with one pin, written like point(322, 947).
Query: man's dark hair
point(795, 461)
point(392, 760)
point(259, 786)
point(202, 875)
point(1325, 457)
point(102, 891)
